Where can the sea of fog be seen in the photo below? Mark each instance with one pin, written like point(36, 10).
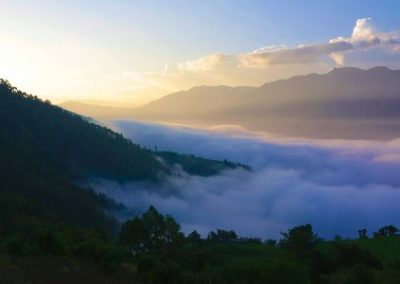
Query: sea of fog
point(337, 186)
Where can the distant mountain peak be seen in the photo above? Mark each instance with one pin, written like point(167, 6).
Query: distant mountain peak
point(216, 87)
point(352, 70)
point(345, 70)
point(380, 69)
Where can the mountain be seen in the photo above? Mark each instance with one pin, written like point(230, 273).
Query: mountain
point(344, 103)
point(45, 150)
point(198, 101)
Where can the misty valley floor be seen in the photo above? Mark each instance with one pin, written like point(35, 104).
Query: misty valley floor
point(338, 186)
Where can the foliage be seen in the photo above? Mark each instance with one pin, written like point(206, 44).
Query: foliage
point(386, 231)
point(165, 255)
point(198, 166)
point(223, 257)
point(300, 239)
point(222, 236)
point(152, 232)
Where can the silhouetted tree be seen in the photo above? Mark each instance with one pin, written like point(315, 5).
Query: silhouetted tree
point(302, 241)
point(212, 236)
point(171, 229)
point(362, 234)
point(154, 223)
point(134, 234)
point(299, 238)
point(225, 236)
point(222, 236)
point(194, 237)
point(387, 231)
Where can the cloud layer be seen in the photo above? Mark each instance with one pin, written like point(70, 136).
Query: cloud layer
point(338, 186)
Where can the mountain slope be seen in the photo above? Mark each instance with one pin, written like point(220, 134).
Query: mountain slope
point(44, 150)
point(344, 103)
point(198, 101)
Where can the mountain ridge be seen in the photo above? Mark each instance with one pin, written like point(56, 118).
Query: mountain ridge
point(313, 105)
point(347, 103)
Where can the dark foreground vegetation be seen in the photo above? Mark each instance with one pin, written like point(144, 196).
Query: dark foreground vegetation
point(152, 249)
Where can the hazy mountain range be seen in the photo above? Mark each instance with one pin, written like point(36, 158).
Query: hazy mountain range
point(344, 103)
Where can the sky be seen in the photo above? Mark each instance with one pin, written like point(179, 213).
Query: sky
point(130, 52)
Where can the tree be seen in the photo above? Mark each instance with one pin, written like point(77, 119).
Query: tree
point(299, 239)
point(392, 230)
point(362, 233)
point(222, 236)
point(225, 236)
point(194, 237)
point(154, 223)
point(212, 236)
point(171, 229)
point(134, 234)
point(387, 231)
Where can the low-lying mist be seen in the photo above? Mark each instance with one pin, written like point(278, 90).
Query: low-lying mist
point(337, 186)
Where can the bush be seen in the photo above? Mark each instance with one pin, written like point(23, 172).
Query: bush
point(361, 274)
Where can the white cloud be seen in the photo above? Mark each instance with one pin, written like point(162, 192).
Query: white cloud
point(208, 63)
point(364, 36)
point(263, 58)
point(364, 30)
point(365, 47)
point(338, 186)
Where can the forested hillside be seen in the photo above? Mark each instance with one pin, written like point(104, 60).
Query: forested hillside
point(44, 150)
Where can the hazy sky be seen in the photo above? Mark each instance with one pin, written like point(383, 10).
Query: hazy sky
point(136, 50)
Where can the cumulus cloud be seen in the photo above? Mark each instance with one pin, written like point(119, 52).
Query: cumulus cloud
point(364, 30)
point(370, 46)
point(363, 37)
point(338, 186)
point(262, 58)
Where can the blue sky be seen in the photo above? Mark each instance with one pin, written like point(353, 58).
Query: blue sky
point(235, 25)
point(82, 44)
point(231, 26)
